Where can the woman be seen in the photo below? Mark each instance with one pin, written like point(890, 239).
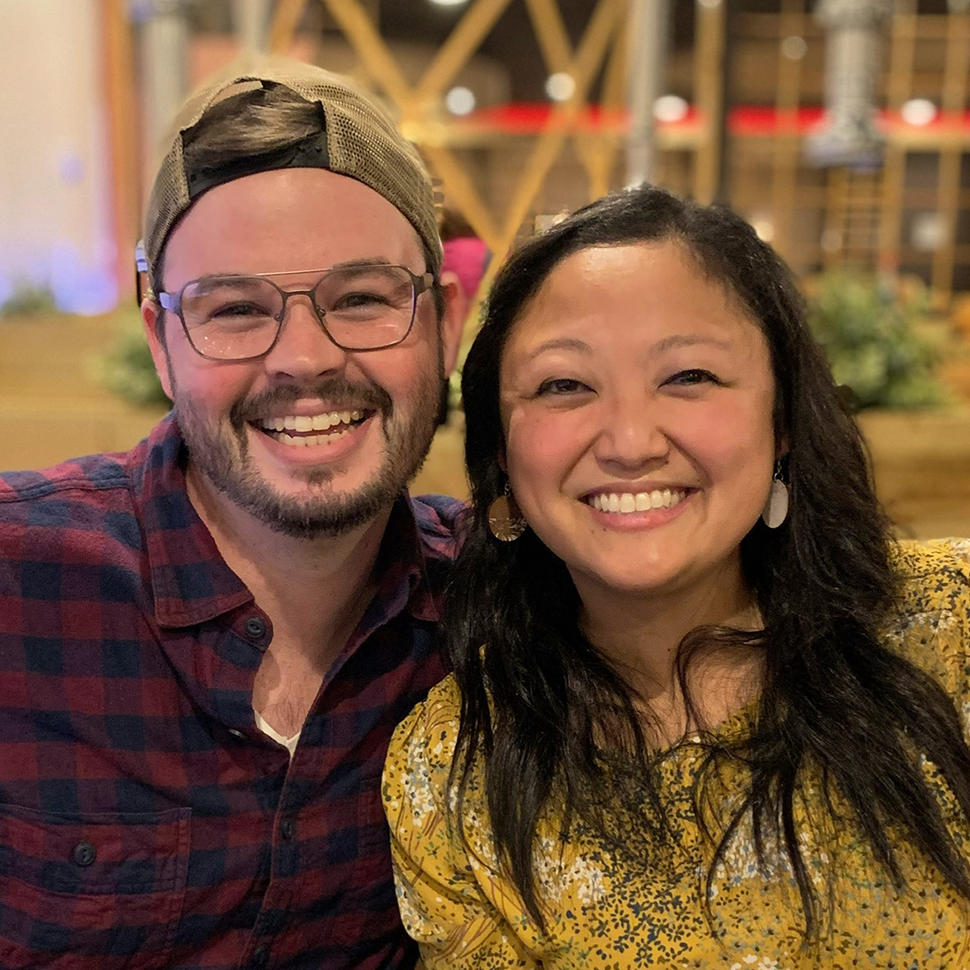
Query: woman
point(704, 710)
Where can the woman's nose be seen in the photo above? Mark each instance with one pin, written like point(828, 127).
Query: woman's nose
point(632, 433)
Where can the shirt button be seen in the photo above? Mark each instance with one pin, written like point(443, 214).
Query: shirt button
point(84, 854)
point(288, 828)
point(260, 956)
point(236, 733)
point(255, 627)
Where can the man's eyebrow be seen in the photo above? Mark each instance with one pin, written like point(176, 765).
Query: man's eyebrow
point(368, 261)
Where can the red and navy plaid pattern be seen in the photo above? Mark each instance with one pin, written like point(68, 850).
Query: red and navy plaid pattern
point(144, 820)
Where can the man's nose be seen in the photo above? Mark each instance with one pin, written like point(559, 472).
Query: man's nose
point(303, 348)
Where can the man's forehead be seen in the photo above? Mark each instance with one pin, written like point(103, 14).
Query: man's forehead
point(290, 220)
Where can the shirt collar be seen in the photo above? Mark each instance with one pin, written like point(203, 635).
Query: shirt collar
point(402, 567)
point(191, 581)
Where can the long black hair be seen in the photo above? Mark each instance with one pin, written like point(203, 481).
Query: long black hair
point(538, 699)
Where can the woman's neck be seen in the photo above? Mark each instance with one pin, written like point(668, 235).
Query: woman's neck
point(641, 636)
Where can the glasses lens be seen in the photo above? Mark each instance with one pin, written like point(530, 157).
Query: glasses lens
point(366, 307)
point(231, 317)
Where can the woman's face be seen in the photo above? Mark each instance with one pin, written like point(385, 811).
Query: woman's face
point(636, 400)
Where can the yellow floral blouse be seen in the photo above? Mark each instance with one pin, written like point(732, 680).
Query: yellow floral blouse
point(606, 911)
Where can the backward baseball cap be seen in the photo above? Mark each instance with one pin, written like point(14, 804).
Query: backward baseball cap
point(357, 139)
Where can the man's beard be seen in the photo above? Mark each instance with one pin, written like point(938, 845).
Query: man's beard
point(220, 452)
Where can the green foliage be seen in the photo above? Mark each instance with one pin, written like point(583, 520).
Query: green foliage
point(28, 299)
point(871, 336)
point(127, 368)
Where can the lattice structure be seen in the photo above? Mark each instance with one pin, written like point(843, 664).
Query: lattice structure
point(816, 217)
point(840, 216)
point(602, 50)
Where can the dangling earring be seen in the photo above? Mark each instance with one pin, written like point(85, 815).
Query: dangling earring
point(505, 521)
point(776, 508)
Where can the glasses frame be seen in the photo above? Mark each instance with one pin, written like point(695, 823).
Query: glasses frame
point(420, 283)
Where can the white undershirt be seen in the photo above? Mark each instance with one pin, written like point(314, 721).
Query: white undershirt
point(267, 729)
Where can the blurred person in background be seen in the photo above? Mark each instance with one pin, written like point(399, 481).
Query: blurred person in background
point(705, 712)
point(465, 255)
point(206, 642)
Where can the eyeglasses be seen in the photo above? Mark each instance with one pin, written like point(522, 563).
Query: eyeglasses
point(361, 306)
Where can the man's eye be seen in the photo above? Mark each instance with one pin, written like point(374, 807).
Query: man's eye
point(359, 299)
point(240, 310)
point(694, 375)
point(561, 385)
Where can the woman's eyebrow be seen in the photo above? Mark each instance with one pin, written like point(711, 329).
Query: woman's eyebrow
point(559, 343)
point(690, 340)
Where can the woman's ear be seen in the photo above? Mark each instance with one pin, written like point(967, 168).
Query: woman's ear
point(781, 447)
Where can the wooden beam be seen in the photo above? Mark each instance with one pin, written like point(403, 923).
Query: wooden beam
point(588, 59)
point(709, 95)
point(550, 31)
point(785, 150)
point(463, 41)
point(953, 101)
point(462, 190)
point(373, 52)
point(119, 86)
point(902, 51)
point(286, 18)
point(891, 213)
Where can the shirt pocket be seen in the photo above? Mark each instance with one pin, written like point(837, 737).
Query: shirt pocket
point(85, 891)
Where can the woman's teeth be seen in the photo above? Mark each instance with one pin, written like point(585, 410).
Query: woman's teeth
point(623, 502)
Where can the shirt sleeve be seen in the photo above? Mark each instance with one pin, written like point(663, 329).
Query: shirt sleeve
point(453, 902)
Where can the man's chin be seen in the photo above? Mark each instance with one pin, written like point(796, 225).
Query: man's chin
point(311, 518)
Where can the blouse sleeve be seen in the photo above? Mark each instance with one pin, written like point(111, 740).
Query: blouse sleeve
point(933, 625)
point(454, 904)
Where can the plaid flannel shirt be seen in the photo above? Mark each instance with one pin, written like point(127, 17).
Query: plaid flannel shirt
point(144, 820)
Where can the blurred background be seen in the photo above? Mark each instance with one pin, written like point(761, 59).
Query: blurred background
point(839, 128)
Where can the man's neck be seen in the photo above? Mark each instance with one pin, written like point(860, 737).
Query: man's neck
point(314, 591)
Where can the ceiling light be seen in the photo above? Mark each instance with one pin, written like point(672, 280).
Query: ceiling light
point(560, 86)
point(918, 111)
point(794, 47)
point(460, 100)
point(670, 107)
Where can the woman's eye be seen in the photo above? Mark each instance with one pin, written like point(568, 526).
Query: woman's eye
point(694, 375)
point(561, 385)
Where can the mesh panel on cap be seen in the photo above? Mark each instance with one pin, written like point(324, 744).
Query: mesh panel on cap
point(363, 143)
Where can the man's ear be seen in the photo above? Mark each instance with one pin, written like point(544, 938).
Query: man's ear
point(153, 319)
point(452, 318)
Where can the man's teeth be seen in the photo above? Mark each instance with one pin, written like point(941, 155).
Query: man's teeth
point(637, 502)
point(307, 422)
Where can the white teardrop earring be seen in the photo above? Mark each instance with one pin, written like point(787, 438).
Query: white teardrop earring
point(776, 508)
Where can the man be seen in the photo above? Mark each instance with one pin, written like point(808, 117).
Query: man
point(205, 643)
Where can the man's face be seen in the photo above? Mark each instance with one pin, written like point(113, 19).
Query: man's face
point(309, 439)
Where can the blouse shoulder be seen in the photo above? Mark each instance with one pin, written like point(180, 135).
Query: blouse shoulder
point(931, 625)
point(429, 733)
point(453, 900)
